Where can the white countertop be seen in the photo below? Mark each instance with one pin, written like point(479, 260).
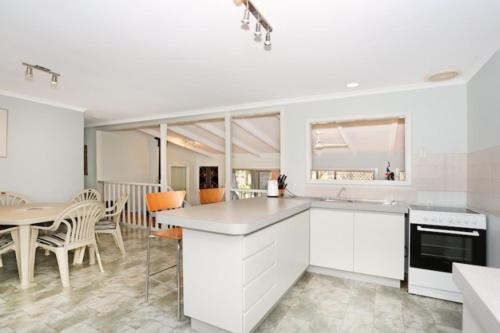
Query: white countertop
point(480, 287)
point(242, 217)
point(238, 217)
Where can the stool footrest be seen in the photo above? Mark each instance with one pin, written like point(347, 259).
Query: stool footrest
point(161, 271)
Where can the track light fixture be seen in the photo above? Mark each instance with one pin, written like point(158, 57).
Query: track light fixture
point(54, 81)
point(261, 22)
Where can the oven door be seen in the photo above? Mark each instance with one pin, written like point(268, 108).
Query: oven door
point(437, 248)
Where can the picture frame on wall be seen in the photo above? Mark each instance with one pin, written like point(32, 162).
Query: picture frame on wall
point(3, 132)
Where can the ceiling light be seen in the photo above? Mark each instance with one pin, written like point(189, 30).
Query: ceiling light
point(29, 73)
point(55, 80)
point(352, 85)
point(267, 43)
point(246, 17)
point(443, 76)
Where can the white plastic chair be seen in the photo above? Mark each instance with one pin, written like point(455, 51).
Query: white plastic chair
point(86, 195)
point(9, 235)
point(110, 224)
point(9, 241)
point(12, 199)
point(79, 221)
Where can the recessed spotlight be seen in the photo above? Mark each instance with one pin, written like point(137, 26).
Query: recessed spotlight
point(443, 76)
point(352, 85)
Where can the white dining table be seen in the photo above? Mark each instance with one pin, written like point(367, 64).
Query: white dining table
point(25, 216)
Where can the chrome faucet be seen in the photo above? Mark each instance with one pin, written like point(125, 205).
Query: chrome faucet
point(342, 190)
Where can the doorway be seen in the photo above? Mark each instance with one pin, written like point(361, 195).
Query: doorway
point(178, 178)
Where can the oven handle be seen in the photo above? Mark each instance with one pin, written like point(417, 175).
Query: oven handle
point(451, 232)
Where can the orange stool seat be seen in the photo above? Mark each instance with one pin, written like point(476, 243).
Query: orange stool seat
point(173, 234)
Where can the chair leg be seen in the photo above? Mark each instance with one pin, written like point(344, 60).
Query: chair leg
point(91, 255)
point(178, 276)
point(62, 262)
point(98, 256)
point(148, 255)
point(119, 240)
point(79, 255)
point(1, 261)
point(76, 256)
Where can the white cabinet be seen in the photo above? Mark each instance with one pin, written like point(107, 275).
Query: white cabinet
point(231, 282)
point(379, 244)
point(332, 239)
point(370, 243)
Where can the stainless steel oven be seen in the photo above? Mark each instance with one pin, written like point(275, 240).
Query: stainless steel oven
point(440, 236)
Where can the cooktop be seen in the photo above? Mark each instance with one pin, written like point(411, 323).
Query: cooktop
point(459, 210)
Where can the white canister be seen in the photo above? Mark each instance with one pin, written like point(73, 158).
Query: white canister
point(272, 188)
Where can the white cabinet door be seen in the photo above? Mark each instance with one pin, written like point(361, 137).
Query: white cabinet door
point(379, 244)
point(332, 239)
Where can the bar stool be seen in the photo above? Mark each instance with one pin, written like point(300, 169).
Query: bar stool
point(157, 202)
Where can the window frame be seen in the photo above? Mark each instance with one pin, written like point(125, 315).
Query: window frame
point(379, 182)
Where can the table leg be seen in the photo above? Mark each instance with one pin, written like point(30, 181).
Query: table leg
point(24, 256)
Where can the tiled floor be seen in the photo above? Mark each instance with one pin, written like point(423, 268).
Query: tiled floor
point(114, 301)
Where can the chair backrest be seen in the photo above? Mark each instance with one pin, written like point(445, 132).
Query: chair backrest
point(165, 200)
point(80, 219)
point(118, 207)
point(89, 194)
point(12, 199)
point(211, 195)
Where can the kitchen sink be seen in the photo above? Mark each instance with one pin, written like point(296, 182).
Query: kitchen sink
point(361, 201)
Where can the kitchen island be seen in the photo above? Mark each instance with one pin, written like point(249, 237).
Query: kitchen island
point(239, 259)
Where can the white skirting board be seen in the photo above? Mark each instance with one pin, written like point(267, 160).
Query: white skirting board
point(356, 276)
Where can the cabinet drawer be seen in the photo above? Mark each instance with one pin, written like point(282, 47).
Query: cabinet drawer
point(258, 263)
point(259, 287)
point(257, 241)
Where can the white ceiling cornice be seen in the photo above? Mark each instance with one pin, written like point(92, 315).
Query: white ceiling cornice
point(42, 101)
point(277, 103)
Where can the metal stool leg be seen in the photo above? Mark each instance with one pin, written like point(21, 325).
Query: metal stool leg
point(178, 275)
point(148, 254)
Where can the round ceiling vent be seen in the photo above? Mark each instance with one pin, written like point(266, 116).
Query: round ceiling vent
point(443, 76)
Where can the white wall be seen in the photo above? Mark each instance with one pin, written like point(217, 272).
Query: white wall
point(45, 151)
point(484, 150)
point(128, 156)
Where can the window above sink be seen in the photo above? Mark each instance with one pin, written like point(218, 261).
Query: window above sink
point(359, 151)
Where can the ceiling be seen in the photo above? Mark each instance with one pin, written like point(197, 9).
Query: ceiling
point(132, 59)
point(256, 135)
